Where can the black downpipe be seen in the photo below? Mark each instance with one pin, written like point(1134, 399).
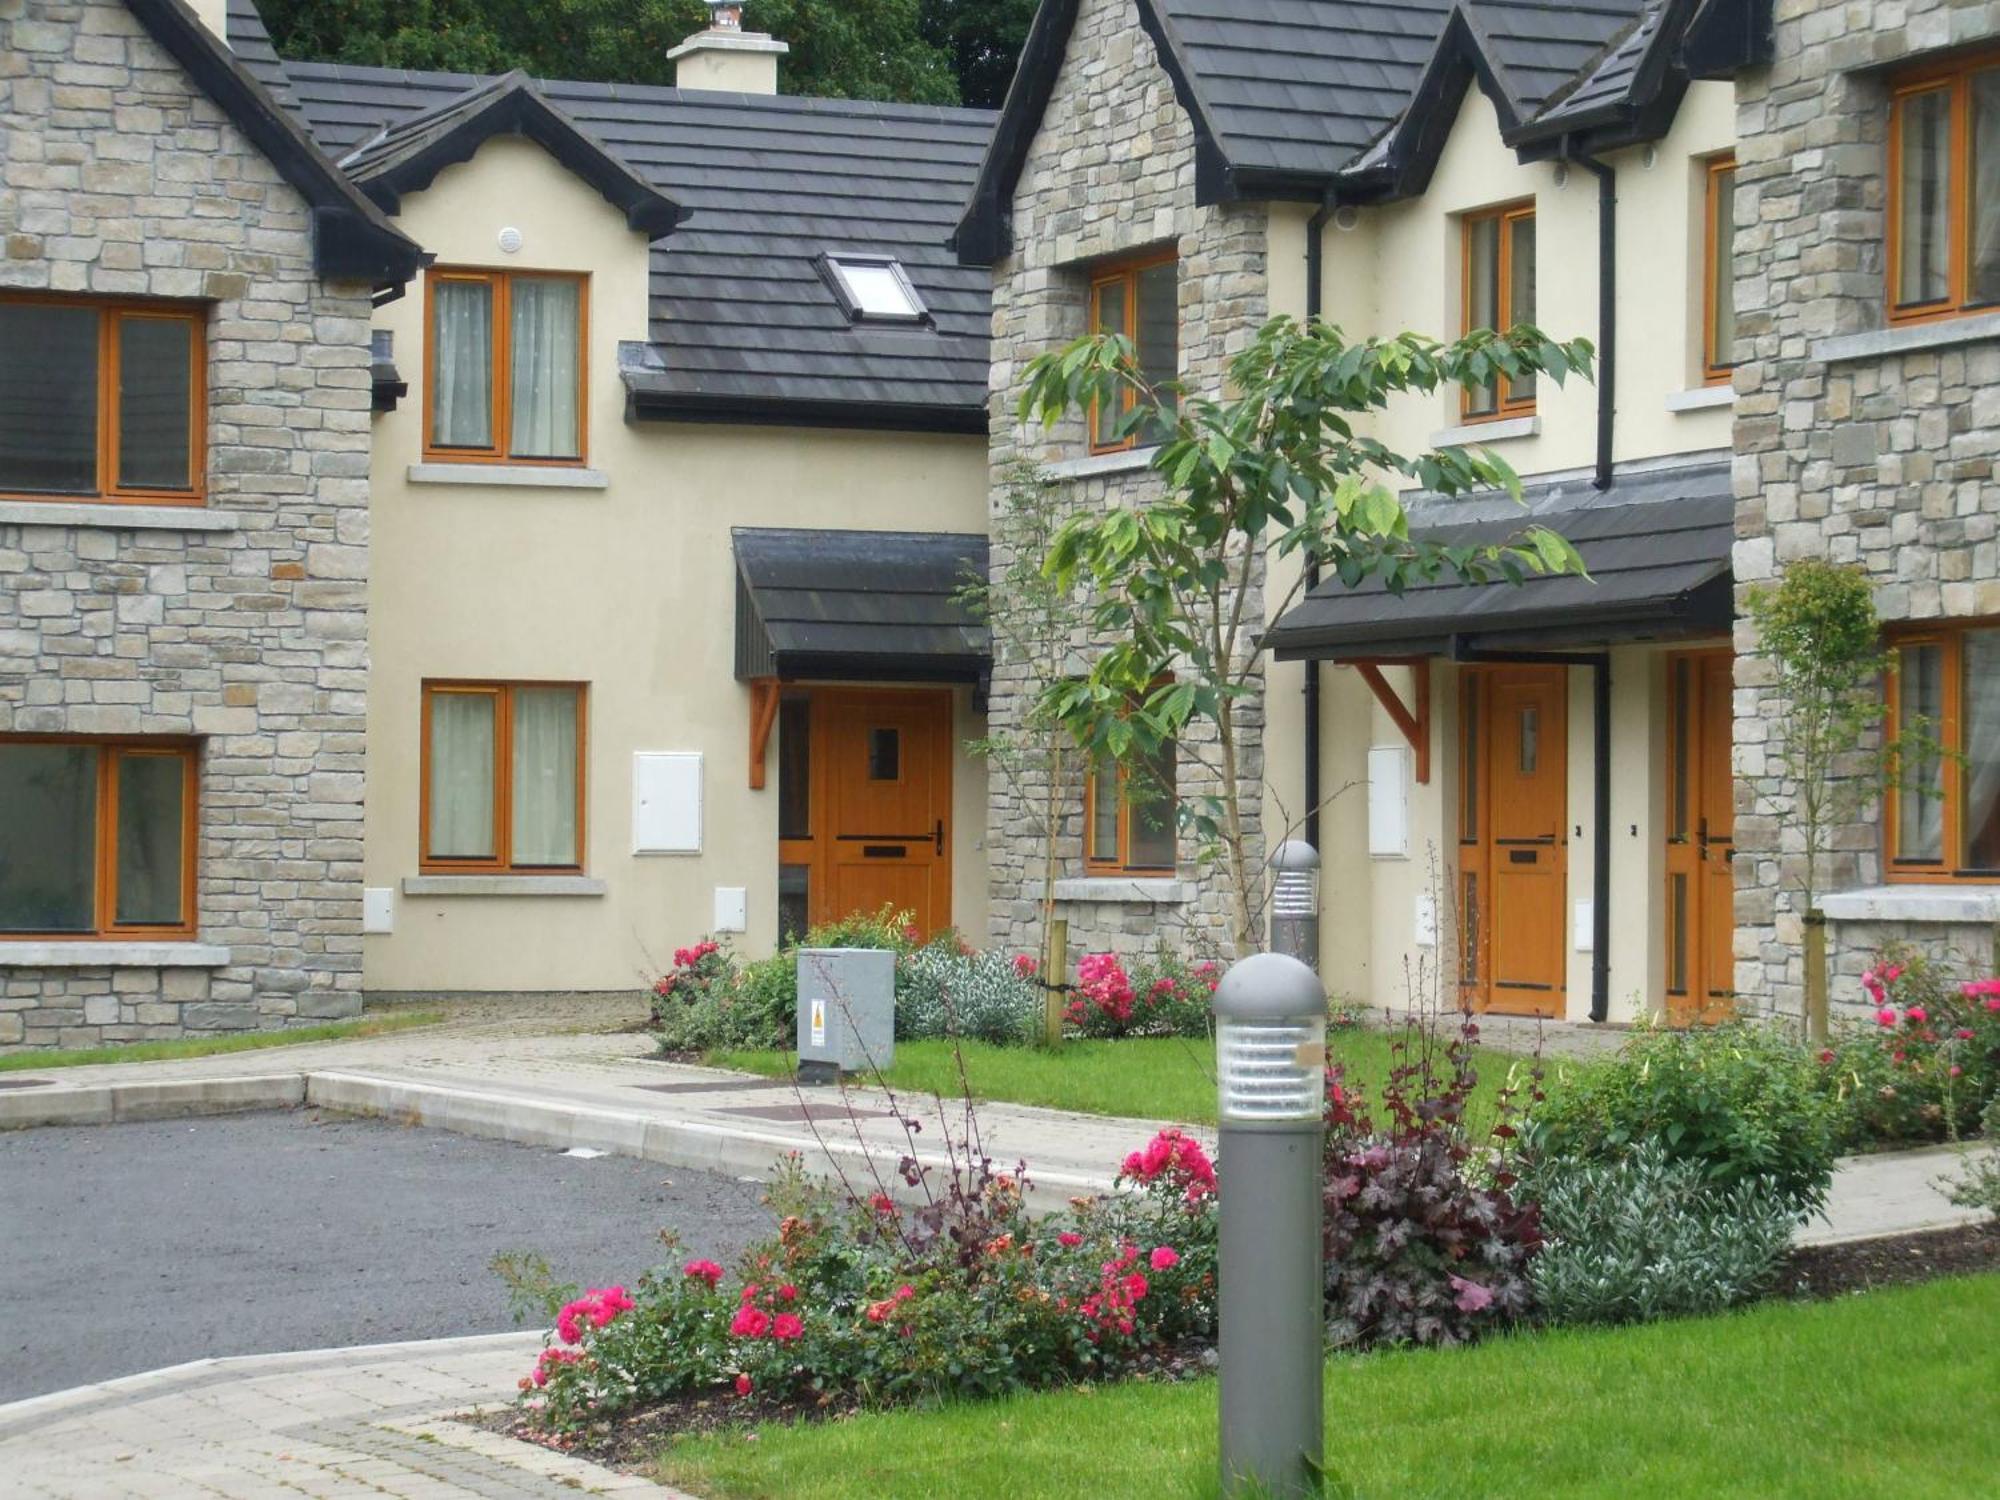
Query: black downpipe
point(1315, 270)
point(1607, 308)
point(1599, 663)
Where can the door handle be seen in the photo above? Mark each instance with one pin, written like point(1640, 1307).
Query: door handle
point(940, 836)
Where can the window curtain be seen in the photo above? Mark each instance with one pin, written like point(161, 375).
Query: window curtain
point(462, 375)
point(1981, 743)
point(545, 776)
point(543, 333)
point(1985, 207)
point(462, 776)
point(1920, 803)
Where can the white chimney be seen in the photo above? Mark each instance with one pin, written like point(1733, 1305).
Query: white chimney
point(214, 14)
point(726, 57)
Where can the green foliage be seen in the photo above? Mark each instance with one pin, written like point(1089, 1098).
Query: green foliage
point(1743, 1102)
point(1648, 1235)
point(1279, 470)
point(1819, 627)
point(847, 49)
point(983, 38)
point(942, 991)
point(1978, 1184)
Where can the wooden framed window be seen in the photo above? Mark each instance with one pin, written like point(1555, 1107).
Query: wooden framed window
point(506, 367)
point(1130, 815)
point(1944, 190)
point(1943, 818)
point(1498, 292)
point(503, 776)
point(1718, 319)
point(99, 838)
point(1140, 299)
point(102, 400)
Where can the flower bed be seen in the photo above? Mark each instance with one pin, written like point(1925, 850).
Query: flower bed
point(1928, 1062)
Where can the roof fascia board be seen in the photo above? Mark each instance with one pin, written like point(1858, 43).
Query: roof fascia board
point(1214, 176)
point(351, 238)
point(1645, 111)
point(518, 108)
point(778, 411)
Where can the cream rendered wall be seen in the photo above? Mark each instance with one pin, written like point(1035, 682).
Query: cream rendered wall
point(630, 588)
point(1398, 268)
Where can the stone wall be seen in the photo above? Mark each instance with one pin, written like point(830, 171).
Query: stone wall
point(1861, 452)
point(118, 176)
point(1111, 171)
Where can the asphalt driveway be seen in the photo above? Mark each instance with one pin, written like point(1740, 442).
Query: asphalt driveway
point(127, 1247)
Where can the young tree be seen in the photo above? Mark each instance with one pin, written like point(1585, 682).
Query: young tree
point(1276, 469)
point(1037, 622)
point(1819, 627)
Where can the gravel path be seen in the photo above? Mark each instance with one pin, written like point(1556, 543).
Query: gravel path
point(128, 1247)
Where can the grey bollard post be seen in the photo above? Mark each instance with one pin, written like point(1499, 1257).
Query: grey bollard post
point(1270, 1014)
point(1295, 902)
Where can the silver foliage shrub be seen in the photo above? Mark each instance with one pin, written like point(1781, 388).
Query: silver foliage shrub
point(941, 992)
point(1646, 1236)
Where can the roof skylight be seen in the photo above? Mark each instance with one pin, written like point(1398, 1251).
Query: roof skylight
point(874, 288)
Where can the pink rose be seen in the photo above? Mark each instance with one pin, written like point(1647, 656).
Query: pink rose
point(786, 1327)
point(703, 1270)
point(1886, 1016)
point(750, 1323)
point(743, 1385)
point(1069, 1239)
point(1918, 1014)
point(1165, 1258)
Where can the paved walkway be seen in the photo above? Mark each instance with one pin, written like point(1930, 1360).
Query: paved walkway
point(331, 1424)
point(498, 1069)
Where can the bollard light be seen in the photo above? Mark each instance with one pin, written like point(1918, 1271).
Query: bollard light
point(1295, 901)
point(1270, 1015)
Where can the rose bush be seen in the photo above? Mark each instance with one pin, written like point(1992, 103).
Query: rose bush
point(1925, 1064)
point(871, 1300)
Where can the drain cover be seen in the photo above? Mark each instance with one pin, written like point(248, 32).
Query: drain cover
point(25, 1083)
point(733, 1084)
point(798, 1114)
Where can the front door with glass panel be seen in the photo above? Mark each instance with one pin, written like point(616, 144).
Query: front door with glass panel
point(1513, 799)
point(865, 806)
point(1701, 832)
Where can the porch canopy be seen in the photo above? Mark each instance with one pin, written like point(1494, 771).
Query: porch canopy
point(1656, 545)
point(858, 606)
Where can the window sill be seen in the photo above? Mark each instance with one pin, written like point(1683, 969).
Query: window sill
point(95, 954)
point(1914, 903)
point(503, 885)
point(116, 517)
point(1499, 430)
point(1137, 890)
point(1907, 338)
point(1701, 398)
point(1125, 461)
point(509, 476)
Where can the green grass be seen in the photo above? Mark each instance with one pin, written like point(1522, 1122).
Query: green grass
point(1885, 1394)
point(1148, 1078)
point(209, 1046)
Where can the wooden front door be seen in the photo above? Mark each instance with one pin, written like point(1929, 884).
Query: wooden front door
point(1701, 827)
point(1513, 866)
point(882, 834)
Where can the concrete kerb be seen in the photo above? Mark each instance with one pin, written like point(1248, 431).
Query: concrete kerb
point(118, 1103)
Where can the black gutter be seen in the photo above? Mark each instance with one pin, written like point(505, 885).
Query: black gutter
point(1599, 663)
point(1607, 309)
point(778, 411)
point(1315, 271)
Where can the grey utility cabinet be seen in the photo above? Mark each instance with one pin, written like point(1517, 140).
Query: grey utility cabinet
point(847, 1012)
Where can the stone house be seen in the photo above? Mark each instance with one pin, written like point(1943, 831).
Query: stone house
point(186, 287)
point(478, 534)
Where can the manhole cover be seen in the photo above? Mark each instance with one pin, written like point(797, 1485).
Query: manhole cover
point(736, 1085)
point(799, 1114)
point(25, 1083)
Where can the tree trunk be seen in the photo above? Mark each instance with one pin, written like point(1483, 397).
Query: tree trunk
point(1815, 955)
point(1055, 970)
point(1243, 927)
point(1054, 949)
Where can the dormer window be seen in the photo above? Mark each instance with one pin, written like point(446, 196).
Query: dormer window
point(873, 289)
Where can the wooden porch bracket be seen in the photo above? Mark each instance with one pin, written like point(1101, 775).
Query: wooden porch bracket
point(763, 714)
point(1416, 726)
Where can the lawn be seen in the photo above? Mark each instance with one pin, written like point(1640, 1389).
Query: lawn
point(1890, 1393)
point(1147, 1078)
point(209, 1046)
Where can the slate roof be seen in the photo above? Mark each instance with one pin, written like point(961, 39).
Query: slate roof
point(1656, 547)
point(741, 324)
point(872, 605)
point(254, 48)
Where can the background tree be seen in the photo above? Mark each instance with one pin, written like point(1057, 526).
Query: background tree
point(983, 39)
point(1819, 627)
point(1037, 623)
point(1277, 470)
point(844, 49)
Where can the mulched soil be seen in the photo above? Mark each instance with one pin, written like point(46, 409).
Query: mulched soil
point(1836, 1270)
